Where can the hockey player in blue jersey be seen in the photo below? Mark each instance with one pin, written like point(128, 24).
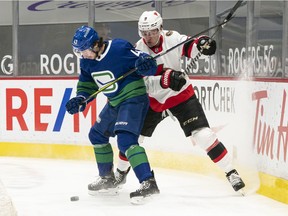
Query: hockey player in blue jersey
point(102, 62)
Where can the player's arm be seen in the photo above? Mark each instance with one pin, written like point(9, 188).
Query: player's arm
point(168, 78)
point(203, 43)
point(85, 87)
point(146, 65)
point(172, 79)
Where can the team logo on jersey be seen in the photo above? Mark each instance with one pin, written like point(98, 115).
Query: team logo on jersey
point(169, 33)
point(103, 78)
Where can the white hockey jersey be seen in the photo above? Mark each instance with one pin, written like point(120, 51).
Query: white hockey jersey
point(160, 98)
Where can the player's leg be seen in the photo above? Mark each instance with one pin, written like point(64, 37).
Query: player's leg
point(127, 139)
point(99, 137)
point(152, 119)
point(122, 170)
point(218, 153)
point(194, 123)
point(138, 159)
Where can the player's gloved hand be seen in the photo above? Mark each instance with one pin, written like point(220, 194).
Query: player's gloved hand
point(75, 105)
point(172, 79)
point(207, 44)
point(146, 65)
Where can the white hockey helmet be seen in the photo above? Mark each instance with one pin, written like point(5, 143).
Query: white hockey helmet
point(149, 20)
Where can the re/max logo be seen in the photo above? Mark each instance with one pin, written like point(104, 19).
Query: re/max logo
point(44, 107)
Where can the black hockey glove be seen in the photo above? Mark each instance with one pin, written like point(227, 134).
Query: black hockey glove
point(172, 79)
point(209, 48)
point(146, 65)
point(75, 105)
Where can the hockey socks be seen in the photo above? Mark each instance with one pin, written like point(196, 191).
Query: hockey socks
point(104, 158)
point(139, 162)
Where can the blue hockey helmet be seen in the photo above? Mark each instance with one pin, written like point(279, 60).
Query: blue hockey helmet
point(84, 38)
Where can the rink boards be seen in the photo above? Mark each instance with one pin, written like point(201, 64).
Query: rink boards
point(250, 118)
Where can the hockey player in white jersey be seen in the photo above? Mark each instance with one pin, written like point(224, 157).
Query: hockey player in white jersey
point(172, 93)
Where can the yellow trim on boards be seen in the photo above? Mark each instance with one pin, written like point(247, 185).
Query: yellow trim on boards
point(270, 186)
point(273, 187)
point(57, 151)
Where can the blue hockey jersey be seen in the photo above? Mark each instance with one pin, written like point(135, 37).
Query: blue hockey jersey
point(117, 59)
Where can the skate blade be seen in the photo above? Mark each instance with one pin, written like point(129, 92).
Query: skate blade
point(140, 200)
point(119, 187)
point(109, 192)
point(242, 192)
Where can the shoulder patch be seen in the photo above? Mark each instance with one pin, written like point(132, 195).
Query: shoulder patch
point(169, 33)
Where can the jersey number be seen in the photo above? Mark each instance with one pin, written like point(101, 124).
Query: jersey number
point(136, 52)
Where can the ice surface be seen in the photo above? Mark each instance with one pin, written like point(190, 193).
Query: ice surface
point(43, 187)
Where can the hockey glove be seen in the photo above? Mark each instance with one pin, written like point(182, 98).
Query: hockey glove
point(146, 65)
point(207, 45)
point(172, 79)
point(75, 105)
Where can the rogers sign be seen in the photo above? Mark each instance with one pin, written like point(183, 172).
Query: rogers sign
point(54, 64)
point(7, 65)
point(64, 64)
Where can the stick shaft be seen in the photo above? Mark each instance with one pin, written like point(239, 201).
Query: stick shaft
point(227, 18)
point(232, 11)
point(155, 57)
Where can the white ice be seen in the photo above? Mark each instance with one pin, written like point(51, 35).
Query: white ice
point(43, 187)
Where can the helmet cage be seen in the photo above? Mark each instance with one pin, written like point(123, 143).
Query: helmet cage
point(84, 38)
point(78, 53)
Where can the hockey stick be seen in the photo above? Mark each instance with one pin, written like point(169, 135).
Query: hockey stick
point(226, 19)
point(222, 24)
point(155, 57)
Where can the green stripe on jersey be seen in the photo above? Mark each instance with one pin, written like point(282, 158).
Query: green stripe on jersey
point(88, 87)
point(131, 90)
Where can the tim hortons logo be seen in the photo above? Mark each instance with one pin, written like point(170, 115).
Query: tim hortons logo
point(264, 134)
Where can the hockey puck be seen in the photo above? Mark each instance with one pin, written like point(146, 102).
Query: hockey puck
point(74, 198)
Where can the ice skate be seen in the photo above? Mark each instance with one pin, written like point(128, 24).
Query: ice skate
point(236, 181)
point(104, 185)
point(147, 189)
point(120, 177)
